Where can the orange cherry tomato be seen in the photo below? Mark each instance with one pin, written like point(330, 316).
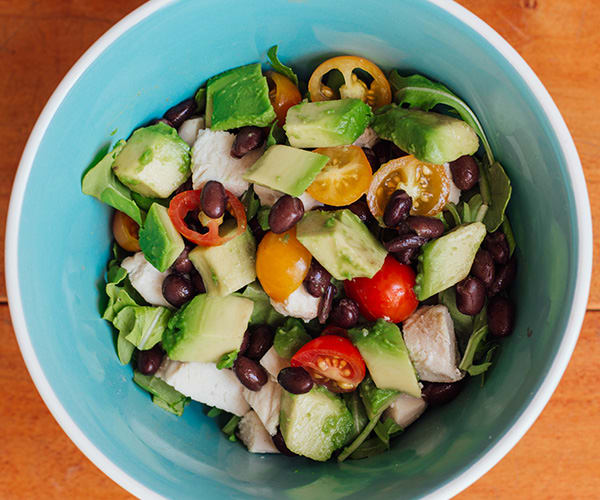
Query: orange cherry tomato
point(427, 184)
point(281, 264)
point(283, 94)
point(377, 94)
point(126, 232)
point(344, 179)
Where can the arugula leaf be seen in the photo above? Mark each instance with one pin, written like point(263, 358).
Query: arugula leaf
point(214, 412)
point(276, 135)
point(375, 399)
point(101, 183)
point(488, 359)
point(357, 410)
point(510, 237)
point(419, 92)
point(200, 99)
point(263, 312)
point(231, 425)
point(500, 192)
point(369, 448)
point(385, 430)
point(227, 359)
point(263, 217)
point(463, 324)
point(164, 392)
point(143, 326)
point(290, 337)
point(451, 207)
point(145, 203)
point(251, 203)
point(475, 344)
point(279, 67)
point(124, 349)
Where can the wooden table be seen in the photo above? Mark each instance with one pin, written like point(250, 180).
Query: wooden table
point(558, 458)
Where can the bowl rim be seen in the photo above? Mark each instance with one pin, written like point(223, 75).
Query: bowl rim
point(528, 414)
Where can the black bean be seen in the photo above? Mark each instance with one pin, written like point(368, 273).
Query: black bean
point(183, 264)
point(245, 343)
point(382, 151)
point(483, 267)
point(161, 120)
point(325, 304)
point(181, 112)
point(177, 289)
point(149, 361)
point(372, 157)
point(406, 256)
point(286, 212)
point(437, 394)
point(280, 444)
point(213, 199)
point(295, 379)
point(247, 139)
point(396, 152)
point(252, 375)
point(317, 279)
point(505, 276)
point(186, 186)
point(427, 227)
point(360, 209)
point(470, 296)
point(496, 244)
point(397, 208)
point(501, 316)
point(405, 242)
point(345, 313)
point(197, 281)
point(261, 340)
point(465, 172)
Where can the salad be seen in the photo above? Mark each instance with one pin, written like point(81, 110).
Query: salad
point(318, 263)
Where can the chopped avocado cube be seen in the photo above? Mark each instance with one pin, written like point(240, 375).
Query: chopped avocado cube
point(327, 123)
point(160, 242)
point(154, 162)
point(206, 328)
point(314, 424)
point(237, 98)
point(100, 182)
point(290, 337)
point(228, 267)
point(428, 136)
point(374, 399)
point(386, 356)
point(286, 169)
point(341, 243)
point(447, 260)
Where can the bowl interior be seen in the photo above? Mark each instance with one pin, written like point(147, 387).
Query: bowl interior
point(64, 241)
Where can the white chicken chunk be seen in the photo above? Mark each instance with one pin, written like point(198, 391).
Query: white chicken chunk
point(429, 337)
point(254, 435)
point(266, 403)
point(212, 161)
point(367, 139)
point(300, 304)
point(189, 130)
point(405, 410)
point(273, 362)
point(205, 383)
point(268, 197)
point(146, 279)
point(454, 195)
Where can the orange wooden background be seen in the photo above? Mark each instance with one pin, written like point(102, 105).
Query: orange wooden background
point(558, 458)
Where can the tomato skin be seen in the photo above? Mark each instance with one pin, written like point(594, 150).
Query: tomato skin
point(283, 95)
point(388, 295)
point(126, 232)
point(329, 351)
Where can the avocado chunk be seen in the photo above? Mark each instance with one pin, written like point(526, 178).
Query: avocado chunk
point(206, 328)
point(448, 259)
point(286, 169)
point(375, 400)
point(160, 242)
point(238, 97)
point(101, 183)
point(428, 136)
point(314, 424)
point(327, 123)
point(228, 267)
point(341, 243)
point(154, 162)
point(386, 356)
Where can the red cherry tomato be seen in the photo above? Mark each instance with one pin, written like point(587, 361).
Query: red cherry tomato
point(332, 361)
point(388, 295)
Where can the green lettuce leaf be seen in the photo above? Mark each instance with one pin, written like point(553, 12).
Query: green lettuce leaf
point(251, 203)
point(118, 299)
point(165, 394)
point(290, 337)
point(143, 326)
point(263, 217)
point(124, 349)
point(263, 312)
point(279, 67)
point(227, 360)
point(500, 192)
point(176, 409)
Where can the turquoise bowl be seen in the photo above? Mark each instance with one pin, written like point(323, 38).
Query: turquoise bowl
point(58, 243)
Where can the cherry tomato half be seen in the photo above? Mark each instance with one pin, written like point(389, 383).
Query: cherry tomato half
point(281, 264)
point(388, 295)
point(126, 232)
point(344, 179)
point(427, 184)
point(283, 94)
point(332, 361)
point(187, 201)
point(376, 95)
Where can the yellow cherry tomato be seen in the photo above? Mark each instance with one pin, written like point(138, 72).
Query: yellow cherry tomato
point(344, 179)
point(427, 184)
point(281, 264)
point(283, 94)
point(125, 231)
point(376, 94)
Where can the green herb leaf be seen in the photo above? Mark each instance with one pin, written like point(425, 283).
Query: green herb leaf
point(176, 409)
point(165, 394)
point(276, 135)
point(357, 410)
point(263, 312)
point(124, 349)
point(263, 217)
point(227, 359)
point(200, 99)
point(231, 425)
point(251, 203)
point(145, 203)
point(419, 92)
point(384, 430)
point(214, 412)
point(475, 344)
point(375, 400)
point(279, 66)
point(463, 324)
point(451, 207)
point(369, 448)
point(290, 337)
point(510, 237)
point(500, 192)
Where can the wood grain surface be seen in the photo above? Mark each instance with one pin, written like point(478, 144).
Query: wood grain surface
point(558, 458)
